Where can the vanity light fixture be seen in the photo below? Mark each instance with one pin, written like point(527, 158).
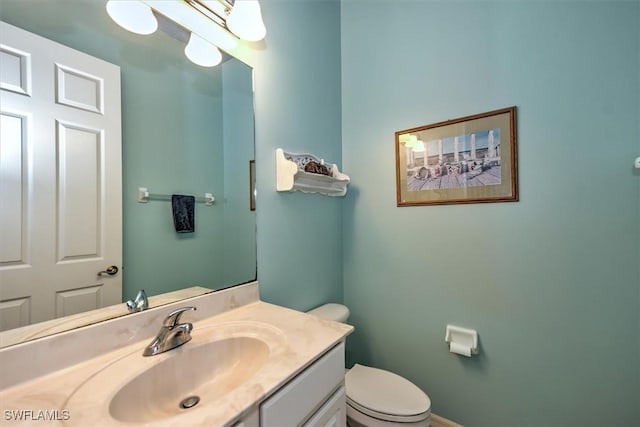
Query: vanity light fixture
point(133, 16)
point(212, 24)
point(201, 52)
point(245, 20)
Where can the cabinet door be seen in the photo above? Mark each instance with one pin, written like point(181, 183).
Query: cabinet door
point(251, 420)
point(333, 413)
point(295, 402)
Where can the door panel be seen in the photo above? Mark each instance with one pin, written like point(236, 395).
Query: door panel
point(15, 70)
point(13, 186)
point(79, 182)
point(74, 301)
point(15, 313)
point(79, 90)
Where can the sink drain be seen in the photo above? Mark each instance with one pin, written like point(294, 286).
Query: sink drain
point(189, 402)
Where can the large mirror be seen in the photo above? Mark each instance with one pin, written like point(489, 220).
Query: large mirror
point(185, 129)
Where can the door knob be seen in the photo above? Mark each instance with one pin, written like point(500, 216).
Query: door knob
point(112, 270)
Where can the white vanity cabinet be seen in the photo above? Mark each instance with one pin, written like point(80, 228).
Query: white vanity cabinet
point(315, 397)
point(298, 381)
point(251, 420)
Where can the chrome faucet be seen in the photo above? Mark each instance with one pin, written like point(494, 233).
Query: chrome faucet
point(171, 335)
point(140, 303)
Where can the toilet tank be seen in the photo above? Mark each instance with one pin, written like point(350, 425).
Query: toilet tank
point(335, 312)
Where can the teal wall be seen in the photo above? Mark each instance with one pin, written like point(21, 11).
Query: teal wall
point(297, 80)
point(551, 283)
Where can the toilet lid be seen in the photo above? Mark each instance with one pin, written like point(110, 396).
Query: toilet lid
point(385, 393)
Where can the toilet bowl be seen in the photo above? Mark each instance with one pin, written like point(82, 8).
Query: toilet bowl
point(375, 397)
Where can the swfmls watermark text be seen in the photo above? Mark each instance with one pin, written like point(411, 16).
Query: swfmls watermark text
point(36, 415)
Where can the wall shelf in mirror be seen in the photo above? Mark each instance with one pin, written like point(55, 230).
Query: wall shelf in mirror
point(309, 174)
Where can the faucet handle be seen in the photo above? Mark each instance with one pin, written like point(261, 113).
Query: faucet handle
point(173, 318)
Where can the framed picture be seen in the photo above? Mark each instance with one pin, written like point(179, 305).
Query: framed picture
point(467, 160)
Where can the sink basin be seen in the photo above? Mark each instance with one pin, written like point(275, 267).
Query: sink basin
point(208, 372)
point(220, 364)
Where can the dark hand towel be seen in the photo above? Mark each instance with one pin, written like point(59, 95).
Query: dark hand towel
point(183, 213)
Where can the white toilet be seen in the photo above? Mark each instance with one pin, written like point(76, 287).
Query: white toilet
point(378, 398)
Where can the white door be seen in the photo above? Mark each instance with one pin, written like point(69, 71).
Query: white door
point(60, 180)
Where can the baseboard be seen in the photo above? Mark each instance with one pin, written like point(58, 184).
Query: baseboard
point(437, 421)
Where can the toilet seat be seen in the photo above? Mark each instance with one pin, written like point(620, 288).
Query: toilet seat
point(386, 396)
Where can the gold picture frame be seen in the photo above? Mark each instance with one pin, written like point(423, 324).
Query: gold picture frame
point(472, 159)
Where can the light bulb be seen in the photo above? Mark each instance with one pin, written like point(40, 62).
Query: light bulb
point(132, 15)
point(245, 20)
point(190, 18)
point(201, 52)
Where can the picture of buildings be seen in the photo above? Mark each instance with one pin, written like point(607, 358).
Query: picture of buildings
point(467, 160)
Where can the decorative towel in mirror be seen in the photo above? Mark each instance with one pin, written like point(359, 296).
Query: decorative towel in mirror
point(183, 213)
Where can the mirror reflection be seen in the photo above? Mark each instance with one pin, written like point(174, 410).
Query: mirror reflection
point(186, 130)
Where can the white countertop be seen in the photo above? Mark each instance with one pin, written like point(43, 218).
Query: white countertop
point(80, 394)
